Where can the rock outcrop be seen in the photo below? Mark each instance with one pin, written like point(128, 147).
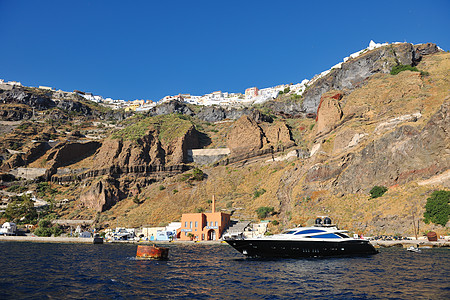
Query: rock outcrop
point(100, 195)
point(246, 136)
point(147, 150)
point(353, 72)
point(279, 135)
point(20, 96)
point(287, 108)
point(75, 106)
point(400, 156)
point(15, 113)
point(171, 107)
point(67, 153)
point(329, 112)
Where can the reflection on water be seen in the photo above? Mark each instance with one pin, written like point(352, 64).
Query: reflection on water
point(73, 271)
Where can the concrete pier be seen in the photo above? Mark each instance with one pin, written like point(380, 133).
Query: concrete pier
point(407, 243)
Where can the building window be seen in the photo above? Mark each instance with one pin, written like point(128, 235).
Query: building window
point(196, 224)
point(185, 224)
point(215, 223)
point(190, 224)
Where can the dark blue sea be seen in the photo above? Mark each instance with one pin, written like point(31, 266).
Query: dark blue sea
point(216, 271)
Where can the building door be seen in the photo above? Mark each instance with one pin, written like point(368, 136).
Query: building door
point(211, 235)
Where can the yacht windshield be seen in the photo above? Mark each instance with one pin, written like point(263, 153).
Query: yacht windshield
point(327, 236)
point(308, 231)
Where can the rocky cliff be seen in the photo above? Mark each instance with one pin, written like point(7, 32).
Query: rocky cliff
point(100, 195)
point(353, 72)
point(400, 156)
point(248, 136)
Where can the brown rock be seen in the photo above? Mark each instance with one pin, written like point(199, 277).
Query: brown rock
point(329, 113)
point(245, 136)
point(13, 162)
point(279, 135)
point(187, 141)
point(101, 195)
point(67, 153)
point(400, 156)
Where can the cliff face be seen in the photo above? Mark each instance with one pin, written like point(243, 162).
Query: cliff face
point(353, 72)
point(400, 156)
point(248, 136)
point(20, 96)
point(116, 152)
point(100, 195)
point(149, 149)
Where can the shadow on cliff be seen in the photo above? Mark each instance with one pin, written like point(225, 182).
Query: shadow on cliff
point(203, 139)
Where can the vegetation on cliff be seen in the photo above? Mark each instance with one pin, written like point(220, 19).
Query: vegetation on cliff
point(438, 208)
point(169, 127)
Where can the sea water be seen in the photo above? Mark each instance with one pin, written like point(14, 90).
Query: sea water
point(215, 271)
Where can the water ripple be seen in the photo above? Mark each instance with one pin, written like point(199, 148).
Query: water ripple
point(72, 271)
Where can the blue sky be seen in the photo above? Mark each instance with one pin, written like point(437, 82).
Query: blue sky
point(149, 49)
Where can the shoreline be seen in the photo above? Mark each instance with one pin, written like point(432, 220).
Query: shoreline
point(77, 240)
point(376, 243)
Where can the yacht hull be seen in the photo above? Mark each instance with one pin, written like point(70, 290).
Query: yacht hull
point(297, 249)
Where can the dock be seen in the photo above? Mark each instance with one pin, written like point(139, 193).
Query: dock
point(421, 243)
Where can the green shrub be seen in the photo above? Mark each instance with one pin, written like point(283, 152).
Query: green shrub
point(46, 229)
point(378, 191)
point(44, 223)
point(197, 174)
point(175, 191)
point(264, 211)
point(258, 193)
point(400, 68)
point(21, 210)
point(44, 189)
point(161, 187)
point(275, 222)
point(16, 189)
point(437, 209)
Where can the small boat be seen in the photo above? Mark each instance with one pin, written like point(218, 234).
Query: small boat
point(413, 249)
point(152, 252)
point(322, 240)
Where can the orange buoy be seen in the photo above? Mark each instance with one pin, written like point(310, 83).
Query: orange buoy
point(152, 252)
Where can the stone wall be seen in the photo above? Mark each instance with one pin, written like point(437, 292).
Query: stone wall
point(207, 156)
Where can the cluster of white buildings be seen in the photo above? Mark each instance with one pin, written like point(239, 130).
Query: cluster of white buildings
point(251, 95)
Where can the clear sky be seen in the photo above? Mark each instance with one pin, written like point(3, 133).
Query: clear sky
point(150, 49)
